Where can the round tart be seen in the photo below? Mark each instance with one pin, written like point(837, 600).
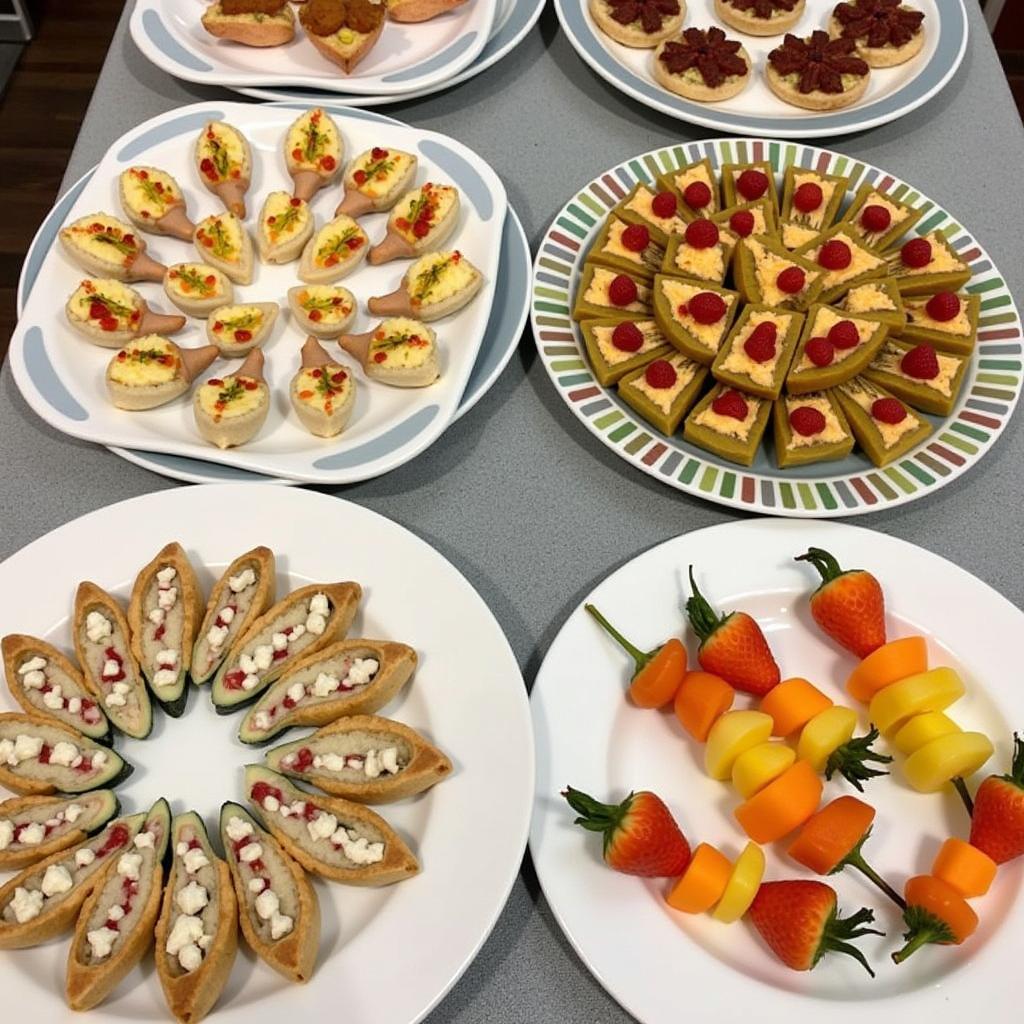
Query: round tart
point(817, 73)
point(323, 392)
point(760, 17)
point(641, 24)
point(323, 310)
point(702, 65)
point(236, 330)
point(885, 32)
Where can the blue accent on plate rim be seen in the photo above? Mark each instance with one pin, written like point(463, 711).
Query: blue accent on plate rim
point(161, 37)
point(435, 62)
point(44, 377)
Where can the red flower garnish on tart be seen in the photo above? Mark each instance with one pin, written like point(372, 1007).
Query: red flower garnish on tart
point(879, 22)
point(818, 61)
point(650, 13)
point(763, 8)
point(711, 53)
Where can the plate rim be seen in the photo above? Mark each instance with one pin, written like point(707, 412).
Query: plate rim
point(870, 489)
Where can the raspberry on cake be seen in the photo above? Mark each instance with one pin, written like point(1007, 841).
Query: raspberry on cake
point(885, 32)
point(810, 428)
point(879, 218)
point(756, 355)
point(834, 347)
point(617, 347)
point(702, 65)
point(920, 375)
point(817, 73)
point(760, 17)
point(884, 427)
point(810, 203)
point(695, 187)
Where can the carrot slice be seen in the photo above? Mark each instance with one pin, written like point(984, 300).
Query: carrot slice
point(782, 805)
point(894, 661)
point(656, 683)
point(792, 704)
point(700, 701)
point(944, 902)
point(970, 871)
point(701, 886)
point(829, 836)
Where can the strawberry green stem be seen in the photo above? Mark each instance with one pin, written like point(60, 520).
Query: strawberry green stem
point(851, 760)
point(702, 616)
point(595, 816)
point(961, 787)
point(855, 859)
point(924, 929)
point(826, 564)
point(640, 657)
point(839, 929)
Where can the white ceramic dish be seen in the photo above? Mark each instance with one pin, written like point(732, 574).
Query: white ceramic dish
point(62, 377)
point(432, 925)
point(660, 964)
point(404, 59)
point(892, 92)
point(512, 20)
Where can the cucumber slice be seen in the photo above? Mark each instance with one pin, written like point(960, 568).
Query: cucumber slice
point(158, 821)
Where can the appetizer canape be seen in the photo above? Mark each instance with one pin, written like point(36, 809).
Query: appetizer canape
point(343, 32)
point(729, 424)
point(230, 410)
point(696, 185)
point(834, 347)
point(376, 180)
point(223, 243)
point(703, 65)
point(760, 17)
point(334, 251)
point(323, 392)
point(103, 647)
point(641, 24)
point(277, 907)
point(878, 218)
point(306, 621)
point(43, 901)
point(353, 677)
point(749, 182)
point(810, 428)
point(617, 347)
point(817, 73)
point(33, 828)
point(881, 298)
point(767, 274)
point(110, 314)
point(243, 593)
point(745, 219)
point(662, 212)
point(285, 225)
point(664, 390)
point(115, 928)
point(236, 330)
point(400, 351)
point(107, 247)
point(335, 839)
point(197, 288)
point(323, 310)
point(38, 757)
point(364, 758)
point(420, 10)
point(434, 286)
point(632, 248)
point(810, 203)
point(153, 201)
point(925, 378)
point(885, 427)
point(164, 612)
point(45, 682)
point(152, 371)
point(313, 152)
point(420, 222)
point(885, 32)
point(756, 355)
point(946, 320)
point(197, 932)
point(702, 251)
point(845, 261)
point(603, 293)
point(251, 23)
point(926, 265)
point(693, 316)
point(224, 162)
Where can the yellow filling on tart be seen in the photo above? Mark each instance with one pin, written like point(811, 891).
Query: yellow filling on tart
point(145, 362)
point(429, 205)
point(833, 432)
point(679, 293)
point(897, 212)
point(323, 303)
point(221, 153)
point(284, 217)
point(221, 236)
point(400, 343)
point(597, 292)
point(377, 171)
point(323, 387)
point(148, 192)
point(104, 237)
point(439, 276)
point(341, 241)
point(195, 280)
point(868, 298)
point(708, 264)
point(737, 361)
point(613, 245)
point(642, 205)
point(313, 143)
point(121, 302)
point(796, 235)
point(824, 322)
point(226, 397)
point(917, 314)
point(664, 397)
point(232, 319)
point(767, 267)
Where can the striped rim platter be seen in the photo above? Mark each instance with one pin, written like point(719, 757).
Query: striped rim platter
point(852, 486)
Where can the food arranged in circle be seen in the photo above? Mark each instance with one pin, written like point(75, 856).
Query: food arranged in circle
point(117, 880)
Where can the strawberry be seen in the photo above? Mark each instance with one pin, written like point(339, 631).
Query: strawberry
point(849, 605)
point(732, 646)
point(800, 922)
point(640, 835)
point(997, 826)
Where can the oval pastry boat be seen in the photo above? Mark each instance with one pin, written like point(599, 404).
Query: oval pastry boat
point(110, 314)
point(313, 152)
point(107, 247)
point(400, 351)
point(152, 371)
point(153, 201)
point(435, 286)
point(33, 828)
point(284, 228)
point(421, 221)
point(197, 288)
point(223, 161)
point(376, 179)
point(323, 392)
point(338, 248)
point(222, 241)
point(364, 758)
point(230, 410)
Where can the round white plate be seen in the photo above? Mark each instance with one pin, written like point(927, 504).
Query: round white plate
point(404, 59)
point(62, 377)
point(664, 966)
point(386, 955)
point(892, 92)
point(512, 20)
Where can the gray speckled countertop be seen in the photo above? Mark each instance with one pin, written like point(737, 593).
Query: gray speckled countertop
point(531, 507)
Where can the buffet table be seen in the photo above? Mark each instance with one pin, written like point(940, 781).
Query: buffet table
point(529, 506)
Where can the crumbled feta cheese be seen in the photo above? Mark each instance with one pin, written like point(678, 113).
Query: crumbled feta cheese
point(216, 635)
point(332, 762)
point(389, 760)
point(63, 754)
point(279, 641)
point(190, 957)
point(246, 578)
point(97, 627)
point(75, 705)
point(115, 913)
point(54, 822)
point(56, 880)
point(157, 616)
point(226, 615)
point(34, 680)
point(316, 623)
point(257, 885)
point(318, 605)
point(187, 930)
point(325, 685)
point(286, 811)
point(32, 665)
point(27, 904)
point(247, 664)
point(144, 840)
point(128, 866)
point(372, 767)
point(167, 658)
point(7, 753)
point(54, 699)
point(280, 925)
point(84, 857)
point(322, 826)
point(72, 813)
point(32, 834)
point(110, 668)
point(296, 692)
point(261, 720)
point(271, 804)
point(205, 942)
point(99, 759)
point(238, 828)
point(181, 849)
point(358, 849)
point(115, 700)
point(192, 898)
point(27, 747)
point(6, 833)
point(263, 656)
point(267, 904)
point(166, 574)
point(166, 599)
point(299, 807)
point(250, 682)
point(101, 942)
point(362, 671)
point(250, 853)
point(296, 632)
point(194, 860)
point(165, 677)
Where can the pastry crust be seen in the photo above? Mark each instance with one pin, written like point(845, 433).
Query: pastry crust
point(816, 100)
point(395, 246)
point(346, 55)
point(174, 222)
point(698, 91)
point(148, 322)
point(139, 397)
point(356, 203)
point(338, 228)
point(248, 29)
point(15, 860)
point(340, 398)
point(240, 428)
point(882, 56)
point(261, 560)
point(139, 267)
point(308, 180)
point(633, 34)
point(401, 303)
point(743, 21)
point(230, 191)
point(200, 307)
point(420, 10)
point(318, 328)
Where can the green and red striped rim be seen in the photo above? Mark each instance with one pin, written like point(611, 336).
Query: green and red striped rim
point(850, 487)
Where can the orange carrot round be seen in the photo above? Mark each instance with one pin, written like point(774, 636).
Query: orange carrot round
point(701, 886)
point(700, 701)
point(890, 663)
point(935, 912)
point(792, 704)
point(832, 834)
point(782, 805)
point(966, 868)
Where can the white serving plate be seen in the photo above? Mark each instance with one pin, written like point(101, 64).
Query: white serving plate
point(892, 92)
point(386, 955)
point(405, 58)
point(660, 964)
point(61, 376)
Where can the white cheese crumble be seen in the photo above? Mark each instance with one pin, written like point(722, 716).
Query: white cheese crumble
point(54, 698)
point(194, 860)
point(238, 828)
point(280, 925)
point(6, 833)
point(33, 680)
point(75, 705)
point(279, 641)
point(186, 931)
point(166, 574)
point(63, 754)
point(144, 840)
point(316, 623)
point(128, 866)
point(318, 605)
point(97, 627)
point(358, 849)
point(73, 812)
point(257, 885)
point(115, 913)
point(101, 942)
point(192, 898)
point(362, 671)
point(157, 616)
point(164, 677)
point(32, 834)
point(27, 747)
point(267, 904)
point(216, 635)
point(57, 880)
point(296, 692)
point(250, 682)
point(110, 668)
point(262, 721)
point(246, 578)
point(322, 826)
point(84, 857)
point(27, 904)
point(99, 759)
point(250, 853)
point(271, 804)
point(32, 665)
point(325, 685)
point(226, 615)
point(166, 599)
point(190, 957)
